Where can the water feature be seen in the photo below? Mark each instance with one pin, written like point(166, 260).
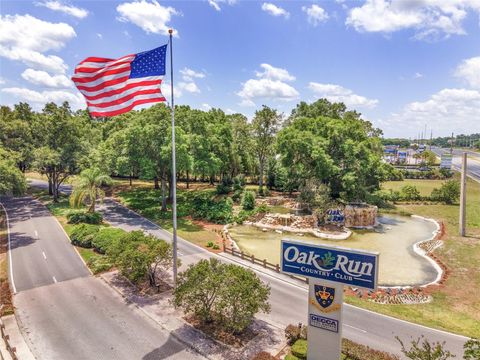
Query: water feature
point(393, 238)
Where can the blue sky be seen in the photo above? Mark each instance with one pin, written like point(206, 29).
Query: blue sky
point(403, 64)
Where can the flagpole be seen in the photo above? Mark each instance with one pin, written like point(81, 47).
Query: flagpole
point(174, 170)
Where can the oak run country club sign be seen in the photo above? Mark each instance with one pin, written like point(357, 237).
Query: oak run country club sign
point(327, 269)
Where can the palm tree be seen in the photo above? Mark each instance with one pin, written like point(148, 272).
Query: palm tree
point(88, 188)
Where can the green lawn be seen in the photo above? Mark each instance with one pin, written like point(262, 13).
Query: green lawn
point(424, 186)
point(146, 201)
point(456, 304)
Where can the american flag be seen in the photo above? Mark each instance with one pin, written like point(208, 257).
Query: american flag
point(115, 86)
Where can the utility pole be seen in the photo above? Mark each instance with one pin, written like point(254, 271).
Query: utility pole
point(431, 139)
point(463, 195)
point(451, 145)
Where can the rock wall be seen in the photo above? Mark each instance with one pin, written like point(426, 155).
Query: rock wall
point(290, 220)
point(360, 215)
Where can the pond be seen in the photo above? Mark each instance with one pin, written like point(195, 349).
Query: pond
point(394, 238)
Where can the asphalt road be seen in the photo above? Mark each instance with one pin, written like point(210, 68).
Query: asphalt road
point(289, 298)
point(63, 312)
point(473, 161)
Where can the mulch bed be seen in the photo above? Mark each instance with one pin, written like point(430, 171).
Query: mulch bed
point(6, 304)
point(214, 331)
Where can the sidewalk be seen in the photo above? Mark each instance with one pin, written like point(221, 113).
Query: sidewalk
point(158, 308)
point(16, 339)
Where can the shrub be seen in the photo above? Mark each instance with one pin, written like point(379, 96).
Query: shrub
point(204, 206)
point(237, 195)
point(226, 294)
point(448, 193)
point(248, 201)
point(105, 237)
point(425, 350)
point(410, 193)
point(239, 183)
point(295, 332)
point(225, 186)
point(99, 264)
point(83, 234)
point(291, 357)
point(472, 349)
point(215, 247)
point(77, 217)
point(210, 244)
point(299, 349)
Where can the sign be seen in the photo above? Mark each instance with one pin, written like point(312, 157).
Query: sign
point(335, 216)
point(324, 332)
point(446, 161)
point(352, 267)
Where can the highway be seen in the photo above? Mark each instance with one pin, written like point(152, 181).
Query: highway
point(473, 161)
point(63, 311)
point(288, 297)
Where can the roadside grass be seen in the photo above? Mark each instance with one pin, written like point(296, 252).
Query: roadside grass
point(147, 202)
point(456, 304)
point(425, 187)
point(6, 304)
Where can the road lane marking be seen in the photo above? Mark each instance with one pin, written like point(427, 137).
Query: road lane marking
point(36, 234)
point(353, 327)
point(54, 280)
point(44, 256)
point(9, 250)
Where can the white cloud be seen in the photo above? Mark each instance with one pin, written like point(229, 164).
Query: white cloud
point(270, 86)
point(431, 19)
point(216, 3)
point(2, 81)
point(150, 16)
point(167, 93)
point(43, 78)
point(469, 71)
point(337, 93)
point(67, 9)
point(206, 106)
point(25, 38)
point(418, 75)
point(273, 73)
point(190, 87)
point(189, 74)
point(315, 14)
point(275, 10)
point(448, 110)
point(41, 98)
point(35, 59)
point(28, 32)
point(100, 36)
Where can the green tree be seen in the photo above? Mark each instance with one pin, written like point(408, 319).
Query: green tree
point(198, 288)
point(425, 350)
point(242, 295)
point(87, 188)
point(410, 193)
point(265, 125)
point(448, 193)
point(12, 180)
point(248, 201)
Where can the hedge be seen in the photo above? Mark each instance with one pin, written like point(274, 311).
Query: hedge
point(104, 238)
point(299, 349)
point(77, 217)
point(83, 234)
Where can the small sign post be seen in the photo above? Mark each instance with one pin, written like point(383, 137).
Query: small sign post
point(446, 161)
point(328, 268)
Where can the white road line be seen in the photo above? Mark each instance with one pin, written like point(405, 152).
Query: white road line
point(44, 256)
point(353, 327)
point(9, 251)
point(54, 280)
point(36, 234)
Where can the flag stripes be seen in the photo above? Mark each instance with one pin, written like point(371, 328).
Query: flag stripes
point(111, 87)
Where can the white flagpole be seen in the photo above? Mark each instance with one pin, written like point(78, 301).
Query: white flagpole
point(174, 170)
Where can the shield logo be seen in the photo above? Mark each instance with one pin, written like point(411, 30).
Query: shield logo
point(324, 295)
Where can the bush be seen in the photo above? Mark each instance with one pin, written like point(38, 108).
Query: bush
point(299, 349)
point(248, 201)
point(237, 195)
point(239, 183)
point(425, 350)
point(99, 264)
point(226, 294)
point(105, 237)
point(210, 244)
point(204, 206)
point(295, 332)
point(77, 217)
point(410, 193)
point(225, 186)
point(448, 193)
point(291, 357)
point(472, 349)
point(83, 234)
